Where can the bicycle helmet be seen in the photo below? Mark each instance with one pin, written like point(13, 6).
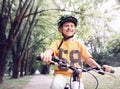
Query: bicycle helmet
point(66, 18)
point(61, 21)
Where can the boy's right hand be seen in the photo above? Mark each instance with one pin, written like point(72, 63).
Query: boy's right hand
point(46, 56)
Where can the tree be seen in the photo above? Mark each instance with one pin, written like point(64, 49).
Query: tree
point(14, 29)
point(113, 46)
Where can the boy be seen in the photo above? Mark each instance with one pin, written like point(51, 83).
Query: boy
point(69, 50)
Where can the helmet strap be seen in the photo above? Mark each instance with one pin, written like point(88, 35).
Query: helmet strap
point(60, 43)
point(64, 38)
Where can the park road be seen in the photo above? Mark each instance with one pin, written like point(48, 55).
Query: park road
point(39, 82)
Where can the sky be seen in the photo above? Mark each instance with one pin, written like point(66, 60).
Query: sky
point(116, 19)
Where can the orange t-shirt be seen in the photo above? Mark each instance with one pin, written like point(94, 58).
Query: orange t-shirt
point(74, 52)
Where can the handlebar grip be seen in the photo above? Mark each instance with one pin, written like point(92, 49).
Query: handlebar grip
point(54, 59)
point(38, 58)
point(111, 71)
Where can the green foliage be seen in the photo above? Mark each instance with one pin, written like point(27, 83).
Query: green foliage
point(113, 45)
point(111, 54)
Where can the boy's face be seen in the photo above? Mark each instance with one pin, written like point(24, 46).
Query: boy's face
point(68, 29)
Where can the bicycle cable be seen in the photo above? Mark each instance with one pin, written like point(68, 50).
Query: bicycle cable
point(94, 78)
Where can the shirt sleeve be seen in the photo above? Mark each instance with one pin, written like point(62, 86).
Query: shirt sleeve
point(84, 52)
point(54, 47)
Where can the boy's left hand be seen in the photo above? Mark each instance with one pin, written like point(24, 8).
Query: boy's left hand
point(107, 68)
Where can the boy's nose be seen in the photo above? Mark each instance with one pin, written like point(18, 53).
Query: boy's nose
point(69, 27)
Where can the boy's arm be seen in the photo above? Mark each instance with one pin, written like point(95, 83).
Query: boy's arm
point(92, 62)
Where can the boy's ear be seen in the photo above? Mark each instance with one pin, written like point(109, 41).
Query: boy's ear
point(60, 29)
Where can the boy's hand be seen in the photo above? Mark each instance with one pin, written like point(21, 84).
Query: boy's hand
point(107, 68)
point(46, 56)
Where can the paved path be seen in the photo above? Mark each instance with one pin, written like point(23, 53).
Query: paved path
point(39, 82)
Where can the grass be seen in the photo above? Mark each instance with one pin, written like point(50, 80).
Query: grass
point(15, 83)
point(105, 81)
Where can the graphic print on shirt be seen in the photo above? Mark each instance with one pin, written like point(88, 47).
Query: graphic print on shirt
point(71, 57)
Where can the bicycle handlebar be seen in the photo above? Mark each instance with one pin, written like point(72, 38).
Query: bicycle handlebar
point(62, 63)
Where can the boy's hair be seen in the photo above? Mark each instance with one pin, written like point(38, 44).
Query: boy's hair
point(67, 18)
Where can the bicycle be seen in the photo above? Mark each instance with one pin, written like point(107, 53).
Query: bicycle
point(76, 72)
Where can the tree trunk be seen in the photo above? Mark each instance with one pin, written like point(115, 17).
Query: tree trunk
point(3, 52)
point(15, 68)
point(3, 46)
point(26, 67)
point(22, 69)
point(45, 69)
